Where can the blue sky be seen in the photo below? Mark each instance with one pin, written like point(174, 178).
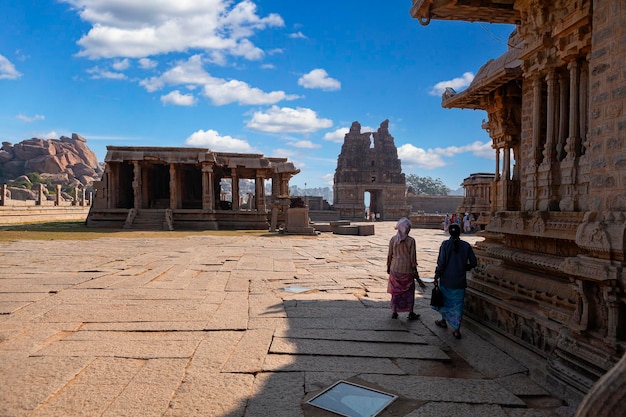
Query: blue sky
point(281, 78)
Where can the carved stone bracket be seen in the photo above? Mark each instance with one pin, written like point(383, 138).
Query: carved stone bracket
point(603, 234)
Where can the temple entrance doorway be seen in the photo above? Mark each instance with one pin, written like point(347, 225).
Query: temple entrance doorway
point(158, 190)
point(375, 203)
point(126, 176)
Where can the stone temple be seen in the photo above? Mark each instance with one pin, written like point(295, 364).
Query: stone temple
point(369, 163)
point(551, 267)
point(168, 188)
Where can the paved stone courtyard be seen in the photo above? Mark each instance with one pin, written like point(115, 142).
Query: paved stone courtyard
point(233, 326)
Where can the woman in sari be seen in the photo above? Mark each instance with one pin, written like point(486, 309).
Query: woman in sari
point(402, 270)
point(455, 258)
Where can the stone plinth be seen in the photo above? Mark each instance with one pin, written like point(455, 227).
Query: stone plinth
point(298, 222)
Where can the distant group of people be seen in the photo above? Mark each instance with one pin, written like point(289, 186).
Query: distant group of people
point(465, 222)
point(372, 216)
point(455, 258)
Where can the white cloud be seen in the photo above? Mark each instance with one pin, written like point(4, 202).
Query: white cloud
point(212, 139)
point(29, 119)
point(223, 92)
point(283, 153)
point(318, 78)
point(121, 64)
point(434, 157)
point(297, 35)
point(329, 179)
point(457, 84)
point(48, 135)
point(426, 159)
point(177, 99)
point(304, 144)
point(184, 72)
point(285, 119)
point(218, 90)
point(97, 73)
point(7, 70)
point(147, 63)
point(138, 28)
point(336, 136)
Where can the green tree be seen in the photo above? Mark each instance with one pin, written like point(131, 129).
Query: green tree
point(426, 185)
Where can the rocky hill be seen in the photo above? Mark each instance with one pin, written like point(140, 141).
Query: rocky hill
point(65, 161)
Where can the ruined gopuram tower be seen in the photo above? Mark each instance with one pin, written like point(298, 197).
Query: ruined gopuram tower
point(370, 167)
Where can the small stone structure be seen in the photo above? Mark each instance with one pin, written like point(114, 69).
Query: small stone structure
point(167, 188)
point(477, 201)
point(551, 268)
point(370, 167)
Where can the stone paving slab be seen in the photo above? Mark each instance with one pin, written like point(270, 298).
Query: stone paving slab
point(351, 335)
point(348, 348)
point(472, 391)
point(204, 393)
point(93, 390)
point(444, 409)
point(40, 377)
point(353, 365)
point(277, 395)
point(125, 344)
point(477, 351)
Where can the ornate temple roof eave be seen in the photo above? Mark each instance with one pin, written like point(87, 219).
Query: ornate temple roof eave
point(482, 86)
point(495, 11)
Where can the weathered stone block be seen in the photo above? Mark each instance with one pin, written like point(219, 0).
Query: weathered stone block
point(366, 230)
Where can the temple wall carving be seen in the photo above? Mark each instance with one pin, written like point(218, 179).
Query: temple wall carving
point(551, 266)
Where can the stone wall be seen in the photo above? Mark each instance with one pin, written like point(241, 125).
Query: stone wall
point(13, 215)
point(434, 203)
point(607, 96)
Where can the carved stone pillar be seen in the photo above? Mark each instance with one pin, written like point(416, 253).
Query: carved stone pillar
point(572, 147)
point(173, 187)
point(3, 195)
point(57, 200)
point(547, 180)
point(535, 151)
point(573, 139)
point(506, 168)
point(235, 189)
point(40, 196)
point(536, 147)
point(259, 191)
point(112, 173)
point(497, 176)
point(584, 85)
point(137, 191)
point(548, 150)
point(563, 131)
point(208, 193)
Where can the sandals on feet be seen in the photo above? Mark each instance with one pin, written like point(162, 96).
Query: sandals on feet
point(394, 315)
point(456, 334)
point(413, 316)
point(441, 323)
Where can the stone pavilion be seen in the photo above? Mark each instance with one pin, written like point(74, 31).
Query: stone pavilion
point(167, 188)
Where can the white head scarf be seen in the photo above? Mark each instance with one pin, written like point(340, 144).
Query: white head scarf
point(403, 227)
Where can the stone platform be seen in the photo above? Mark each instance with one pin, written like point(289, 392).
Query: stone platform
point(246, 325)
